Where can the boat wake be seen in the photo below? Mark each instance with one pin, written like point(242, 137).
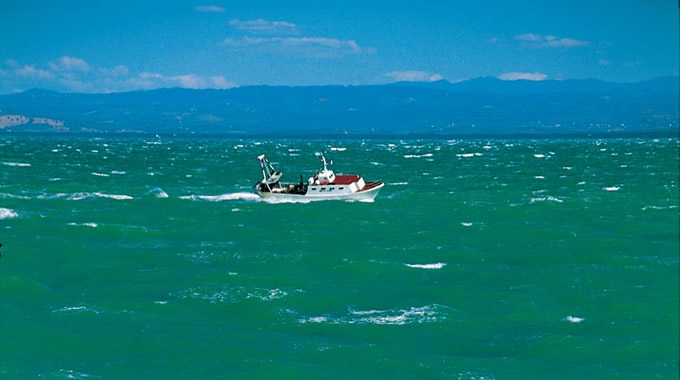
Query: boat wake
point(241, 196)
point(252, 197)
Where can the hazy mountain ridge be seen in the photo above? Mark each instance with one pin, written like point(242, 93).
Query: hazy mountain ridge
point(478, 106)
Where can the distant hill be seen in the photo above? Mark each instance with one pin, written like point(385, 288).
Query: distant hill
point(478, 106)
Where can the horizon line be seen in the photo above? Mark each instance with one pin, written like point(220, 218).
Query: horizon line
point(404, 83)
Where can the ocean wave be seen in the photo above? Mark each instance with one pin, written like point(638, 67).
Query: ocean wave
point(231, 294)
point(650, 207)
point(414, 315)
point(13, 196)
point(75, 309)
point(81, 196)
point(611, 188)
point(467, 155)
point(19, 164)
point(6, 213)
point(418, 155)
point(398, 183)
point(93, 225)
point(573, 319)
point(100, 174)
point(544, 199)
point(338, 149)
point(427, 266)
point(158, 192)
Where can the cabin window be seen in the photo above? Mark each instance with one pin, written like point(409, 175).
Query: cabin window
point(313, 188)
point(322, 189)
point(340, 188)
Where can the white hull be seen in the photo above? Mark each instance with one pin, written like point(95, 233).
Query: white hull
point(360, 196)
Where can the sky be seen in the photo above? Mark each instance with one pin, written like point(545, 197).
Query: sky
point(97, 46)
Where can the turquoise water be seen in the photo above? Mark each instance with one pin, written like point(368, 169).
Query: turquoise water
point(480, 259)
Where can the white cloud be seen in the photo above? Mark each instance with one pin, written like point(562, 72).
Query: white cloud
point(220, 83)
point(120, 70)
point(145, 75)
point(264, 26)
point(209, 9)
point(538, 40)
point(413, 76)
point(69, 64)
point(67, 74)
point(314, 46)
point(523, 76)
point(146, 80)
point(31, 71)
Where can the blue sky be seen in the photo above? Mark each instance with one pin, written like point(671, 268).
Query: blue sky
point(90, 46)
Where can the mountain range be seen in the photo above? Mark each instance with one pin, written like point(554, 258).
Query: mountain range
point(479, 106)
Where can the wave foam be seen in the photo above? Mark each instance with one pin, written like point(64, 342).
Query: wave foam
point(81, 196)
point(548, 198)
point(20, 164)
point(93, 225)
point(427, 266)
point(6, 213)
point(573, 319)
point(414, 315)
point(611, 188)
point(223, 197)
point(158, 191)
point(418, 155)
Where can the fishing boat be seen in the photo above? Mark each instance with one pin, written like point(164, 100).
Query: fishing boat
point(324, 185)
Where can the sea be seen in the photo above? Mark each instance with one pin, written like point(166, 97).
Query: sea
point(481, 258)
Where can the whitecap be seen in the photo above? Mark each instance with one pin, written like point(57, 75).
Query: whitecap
point(611, 188)
point(93, 225)
point(573, 319)
point(13, 196)
point(158, 191)
point(658, 207)
point(338, 149)
point(100, 174)
point(6, 213)
point(398, 183)
point(427, 266)
point(75, 309)
point(539, 177)
point(548, 198)
point(465, 155)
point(320, 319)
point(118, 172)
point(539, 155)
point(466, 224)
point(81, 196)
point(20, 164)
point(418, 155)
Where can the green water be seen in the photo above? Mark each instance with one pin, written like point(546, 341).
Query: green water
point(127, 258)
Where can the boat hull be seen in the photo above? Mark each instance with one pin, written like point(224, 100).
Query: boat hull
point(360, 196)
